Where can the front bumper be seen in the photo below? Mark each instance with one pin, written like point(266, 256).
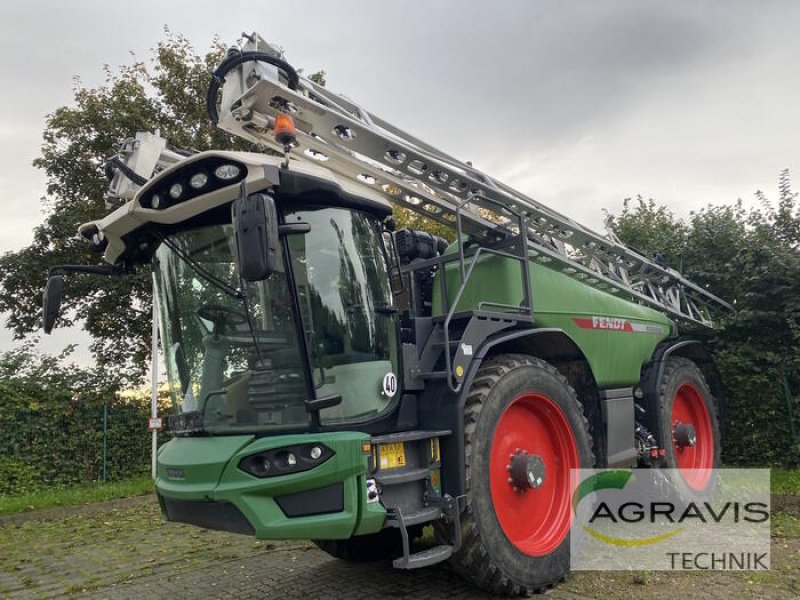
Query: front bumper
point(199, 482)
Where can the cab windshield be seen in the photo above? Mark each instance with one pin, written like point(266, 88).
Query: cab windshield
point(246, 356)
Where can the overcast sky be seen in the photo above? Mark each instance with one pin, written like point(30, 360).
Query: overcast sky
point(578, 104)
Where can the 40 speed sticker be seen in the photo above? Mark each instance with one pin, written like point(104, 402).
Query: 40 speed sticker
point(389, 384)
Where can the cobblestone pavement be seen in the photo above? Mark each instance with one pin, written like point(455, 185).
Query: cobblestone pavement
point(127, 551)
point(124, 550)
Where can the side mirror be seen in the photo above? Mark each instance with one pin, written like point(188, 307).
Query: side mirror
point(51, 301)
point(255, 222)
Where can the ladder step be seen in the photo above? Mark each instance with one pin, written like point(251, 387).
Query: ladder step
point(428, 557)
point(402, 477)
point(425, 515)
point(511, 317)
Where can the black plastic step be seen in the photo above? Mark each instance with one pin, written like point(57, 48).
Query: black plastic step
point(403, 476)
point(409, 436)
point(427, 514)
point(428, 557)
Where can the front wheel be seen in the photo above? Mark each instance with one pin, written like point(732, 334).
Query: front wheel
point(524, 432)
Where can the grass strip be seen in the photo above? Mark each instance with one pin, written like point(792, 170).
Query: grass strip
point(86, 493)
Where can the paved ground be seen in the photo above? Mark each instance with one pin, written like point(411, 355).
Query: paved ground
point(124, 550)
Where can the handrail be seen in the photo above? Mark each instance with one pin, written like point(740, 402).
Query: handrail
point(452, 310)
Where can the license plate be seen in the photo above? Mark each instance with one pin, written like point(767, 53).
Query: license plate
point(392, 455)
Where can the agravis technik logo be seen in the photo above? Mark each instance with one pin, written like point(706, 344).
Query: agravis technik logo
point(611, 480)
point(651, 521)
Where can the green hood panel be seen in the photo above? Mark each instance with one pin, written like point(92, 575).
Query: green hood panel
point(188, 467)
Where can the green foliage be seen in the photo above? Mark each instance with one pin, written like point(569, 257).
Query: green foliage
point(785, 481)
point(51, 425)
point(751, 258)
point(16, 477)
point(747, 256)
point(408, 219)
point(649, 228)
point(167, 93)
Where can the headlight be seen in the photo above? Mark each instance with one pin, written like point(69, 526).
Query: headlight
point(226, 172)
point(198, 180)
point(192, 180)
point(283, 461)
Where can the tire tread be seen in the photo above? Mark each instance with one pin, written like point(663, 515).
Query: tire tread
point(473, 561)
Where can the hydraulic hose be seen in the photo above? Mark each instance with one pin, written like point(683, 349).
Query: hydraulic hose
point(232, 61)
point(116, 163)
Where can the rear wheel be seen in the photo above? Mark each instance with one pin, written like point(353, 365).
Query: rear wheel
point(690, 419)
point(524, 431)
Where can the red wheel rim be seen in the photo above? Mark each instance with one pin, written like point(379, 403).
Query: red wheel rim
point(537, 520)
point(695, 462)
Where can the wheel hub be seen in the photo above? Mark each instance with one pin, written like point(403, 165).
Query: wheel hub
point(525, 471)
point(684, 434)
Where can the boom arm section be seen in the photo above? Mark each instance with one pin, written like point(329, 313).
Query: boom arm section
point(353, 143)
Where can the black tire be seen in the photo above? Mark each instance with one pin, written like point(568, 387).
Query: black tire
point(383, 545)
point(679, 375)
point(487, 557)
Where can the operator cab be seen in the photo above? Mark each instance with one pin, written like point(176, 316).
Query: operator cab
point(249, 355)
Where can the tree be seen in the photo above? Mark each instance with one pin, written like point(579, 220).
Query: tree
point(167, 93)
point(751, 258)
point(408, 219)
point(650, 228)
